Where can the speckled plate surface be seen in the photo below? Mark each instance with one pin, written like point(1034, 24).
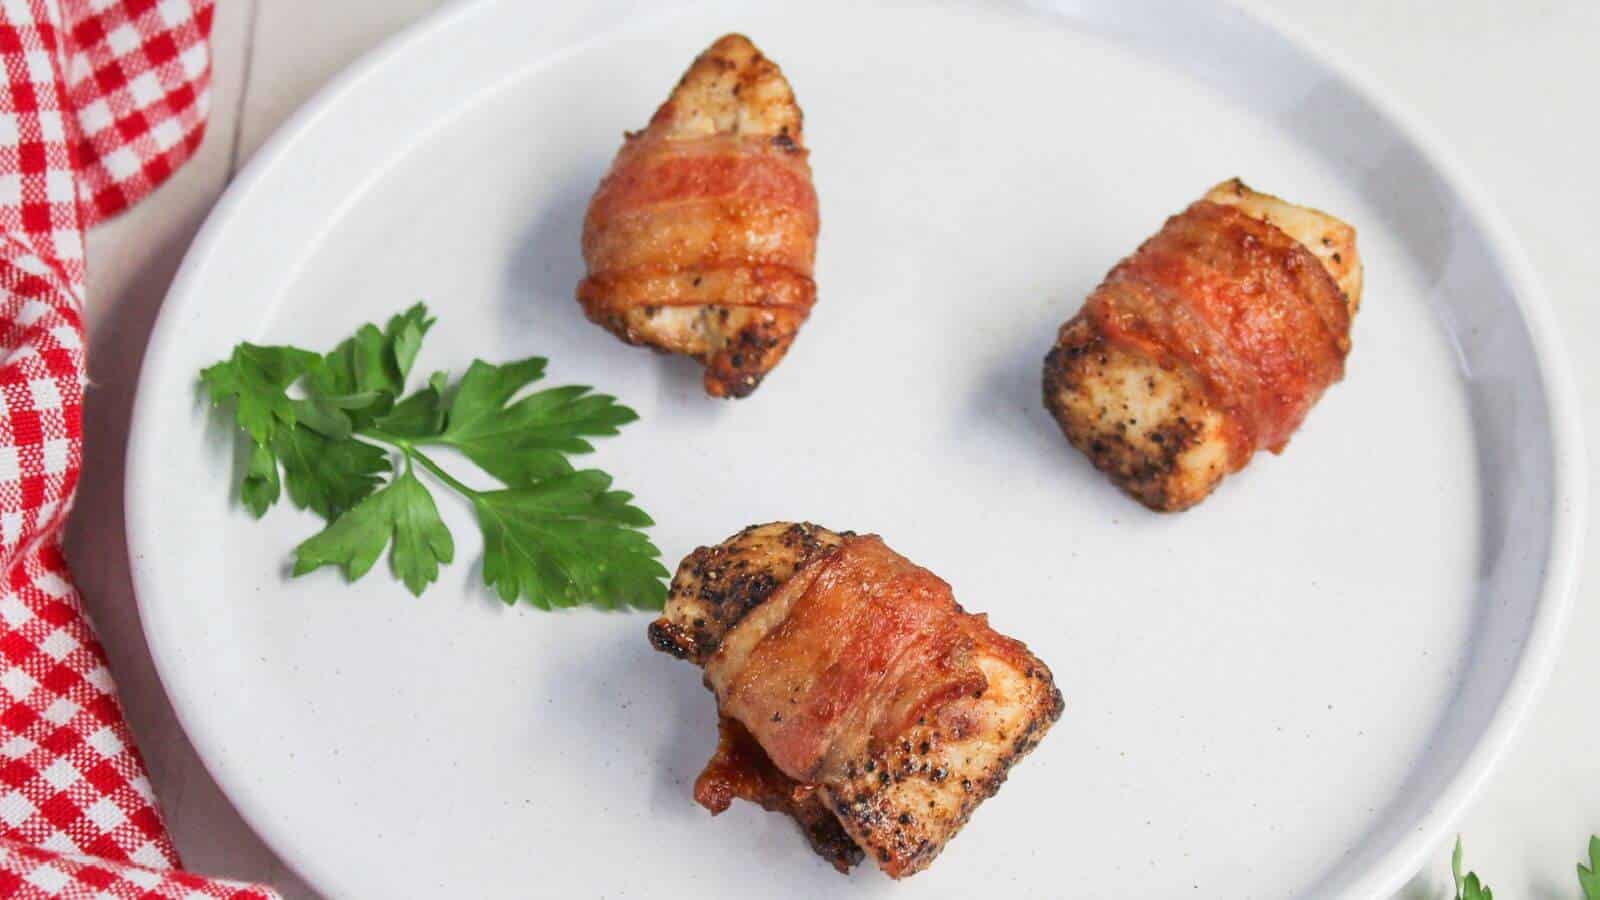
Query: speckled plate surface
point(1294, 686)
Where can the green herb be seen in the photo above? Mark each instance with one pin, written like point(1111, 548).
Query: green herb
point(1467, 888)
point(337, 424)
point(1470, 888)
point(404, 511)
point(1589, 879)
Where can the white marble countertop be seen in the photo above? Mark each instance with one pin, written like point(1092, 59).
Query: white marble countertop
point(1513, 86)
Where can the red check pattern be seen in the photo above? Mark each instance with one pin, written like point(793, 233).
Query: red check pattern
point(100, 100)
point(137, 83)
point(28, 873)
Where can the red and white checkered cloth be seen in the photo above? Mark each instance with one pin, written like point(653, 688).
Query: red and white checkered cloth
point(100, 101)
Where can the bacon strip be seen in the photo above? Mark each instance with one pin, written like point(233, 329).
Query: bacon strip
point(852, 649)
point(740, 769)
point(711, 202)
point(1242, 304)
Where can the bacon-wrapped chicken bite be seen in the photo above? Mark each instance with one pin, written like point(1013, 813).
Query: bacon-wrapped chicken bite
point(1212, 341)
point(701, 239)
point(855, 694)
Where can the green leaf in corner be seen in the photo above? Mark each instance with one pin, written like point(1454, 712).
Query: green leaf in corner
point(525, 441)
point(260, 488)
point(404, 513)
point(567, 541)
point(1589, 879)
point(1455, 866)
point(257, 378)
point(1468, 888)
point(325, 475)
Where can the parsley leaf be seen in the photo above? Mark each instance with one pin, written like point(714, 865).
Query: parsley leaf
point(1468, 888)
point(526, 441)
point(569, 540)
point(1472, 890)
point(553, 536)
point(403, 511)
point(259, 490)
point(1589, 879)
point(324, 415)
point(256, 378)
point(363, 376)
point(421, 414)
point(328, 476)
point(405, 332)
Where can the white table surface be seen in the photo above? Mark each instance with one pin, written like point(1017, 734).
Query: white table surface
point(1513, 84)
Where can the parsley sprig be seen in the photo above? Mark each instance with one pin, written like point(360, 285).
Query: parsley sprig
point(327, 429)
point(1470, 888)
point(1589, 878)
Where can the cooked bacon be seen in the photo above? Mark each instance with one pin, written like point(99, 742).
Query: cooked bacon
point(1212, 341)
point(701, 238)
point(740, 769)
point(1239, 302)
point(852, 648)
point(860, 681)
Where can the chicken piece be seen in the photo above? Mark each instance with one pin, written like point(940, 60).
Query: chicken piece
point(1212, 341)
point(1331, 241)
point(851, 682)
point(716, 586)
point(701, 239)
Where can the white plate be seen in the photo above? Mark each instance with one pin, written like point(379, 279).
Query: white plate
point(1289, 691)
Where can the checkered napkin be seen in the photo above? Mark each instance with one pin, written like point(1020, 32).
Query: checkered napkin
point(100, 100)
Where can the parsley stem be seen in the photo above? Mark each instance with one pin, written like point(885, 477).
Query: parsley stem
point(413, 453)
point(408, 447)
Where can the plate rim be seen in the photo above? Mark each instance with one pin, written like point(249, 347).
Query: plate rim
point(1569, 475)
